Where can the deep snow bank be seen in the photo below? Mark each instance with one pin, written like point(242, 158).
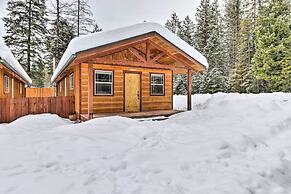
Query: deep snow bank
point(229, 143)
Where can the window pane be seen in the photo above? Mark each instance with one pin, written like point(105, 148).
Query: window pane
point(103, 77)
point(157, 90)
point(103, 89)
point(6, 84)
point(72, 81)
point(157, 79)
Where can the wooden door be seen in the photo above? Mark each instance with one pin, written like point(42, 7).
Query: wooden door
point(132, 92)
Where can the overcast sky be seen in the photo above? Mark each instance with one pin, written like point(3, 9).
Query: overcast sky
point(111, 14)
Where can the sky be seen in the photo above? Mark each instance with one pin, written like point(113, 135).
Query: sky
point(111, 14)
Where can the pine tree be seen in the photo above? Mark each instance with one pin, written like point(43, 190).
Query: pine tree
point(208, 34)
point(209, 41)
point(25, 26)
point(272, 59)
point(186, 31)
point(57, 43)
point(173, 24)
point(82, 17)
point(210, 81)
point(241, 78)
point(203, 27)
point(232, 22)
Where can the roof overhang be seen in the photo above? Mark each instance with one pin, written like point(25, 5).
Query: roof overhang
point(4, 62)
point(187, 51)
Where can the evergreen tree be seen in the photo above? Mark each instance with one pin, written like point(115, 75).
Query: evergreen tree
point(186, 31)
point(241, 78)
point(209, 41)
point(208, 34)
point(180, 84)
point(272, 59)
point(210, 81)
point(82, 17)
point(25, 26)
point(58, 43)
point(232, 22)
point(173, 24)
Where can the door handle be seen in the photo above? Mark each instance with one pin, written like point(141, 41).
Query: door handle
point(138, 95)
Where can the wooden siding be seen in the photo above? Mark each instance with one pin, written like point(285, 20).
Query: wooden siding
point(61, 86)
point(16, 84)
point(115, 103)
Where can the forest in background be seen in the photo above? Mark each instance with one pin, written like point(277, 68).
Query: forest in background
point(247, 43)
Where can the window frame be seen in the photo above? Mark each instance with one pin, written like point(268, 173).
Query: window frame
point(6, 88)
point(60, 86)
point(20, 88)
point(151, 84)
point(111, 83)
point(71, 81)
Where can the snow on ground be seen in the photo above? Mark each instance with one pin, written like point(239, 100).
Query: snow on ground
point(228, 144)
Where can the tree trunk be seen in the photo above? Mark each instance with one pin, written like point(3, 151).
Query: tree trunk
point(29, 38)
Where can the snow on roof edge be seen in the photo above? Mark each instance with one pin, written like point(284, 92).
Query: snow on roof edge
point(83, 43)
point(11, 63)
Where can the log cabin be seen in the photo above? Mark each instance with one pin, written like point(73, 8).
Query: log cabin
point(13, 78)
point(125, 70)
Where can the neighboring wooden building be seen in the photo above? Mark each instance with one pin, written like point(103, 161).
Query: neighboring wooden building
point(13, 78)
point(125, 70)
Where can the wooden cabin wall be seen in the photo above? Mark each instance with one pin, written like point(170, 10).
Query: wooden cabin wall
point(114, 104)
point(70, 92)
point(17, 83)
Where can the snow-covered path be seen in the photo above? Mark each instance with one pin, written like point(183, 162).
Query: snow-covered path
point(229, 143)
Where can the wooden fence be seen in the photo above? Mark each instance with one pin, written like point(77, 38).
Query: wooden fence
point(40, 92)
point(13, 108)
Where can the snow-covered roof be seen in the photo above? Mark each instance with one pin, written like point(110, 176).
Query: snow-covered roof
point(98, 39)
point(11, 63)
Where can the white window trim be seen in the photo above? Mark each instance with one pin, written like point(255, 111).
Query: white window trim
point(95, 82)
point(12, 87)
point(65, 86)
point(6, 84)
point(153, 84)
point(72, 79)
point(60, 83)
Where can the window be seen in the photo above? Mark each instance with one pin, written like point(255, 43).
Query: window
point(20, 88)
point(60, 86)
point(157, 84)
point(71, 81)
point(103, 82)
point(6, 84)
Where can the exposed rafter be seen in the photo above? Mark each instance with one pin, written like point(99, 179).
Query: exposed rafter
point(158, 57)
point(135, 53)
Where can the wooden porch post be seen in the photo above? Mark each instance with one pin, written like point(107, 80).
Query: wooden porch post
point(90, 90)
point(189, 90)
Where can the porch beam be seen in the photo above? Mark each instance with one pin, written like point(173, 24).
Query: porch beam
point(136, 64)
point(189, 89)
point(90, 90)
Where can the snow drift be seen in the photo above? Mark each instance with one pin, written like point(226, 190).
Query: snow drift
point(229, 143)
